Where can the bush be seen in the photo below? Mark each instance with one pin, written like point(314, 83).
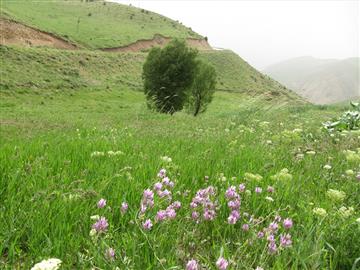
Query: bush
point(168, 74)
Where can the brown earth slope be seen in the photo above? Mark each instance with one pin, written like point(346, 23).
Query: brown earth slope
point(13, 33)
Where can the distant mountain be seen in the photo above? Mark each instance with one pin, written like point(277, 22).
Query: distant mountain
point(321, 81)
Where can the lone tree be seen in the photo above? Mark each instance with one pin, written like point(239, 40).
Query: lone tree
point(203, 88)
point(168, 74)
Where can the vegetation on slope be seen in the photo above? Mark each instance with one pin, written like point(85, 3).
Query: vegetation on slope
point(95, 24)
point(59, 69)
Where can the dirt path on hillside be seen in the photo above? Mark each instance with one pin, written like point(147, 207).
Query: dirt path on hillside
point(14, 33)
point(158, 40)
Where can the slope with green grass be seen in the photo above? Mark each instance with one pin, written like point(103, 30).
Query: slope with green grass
point(94, 24)
point(60, 69)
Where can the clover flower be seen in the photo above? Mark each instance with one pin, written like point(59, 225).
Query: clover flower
point(101, 225)
point(270, 189)
point(258, 189)
point(242, 187)
point(162, 173)
point(288, 223)
point(49, 264)
point(285, 240)
point(101, 203)
point(273, 226)
point(231, 192)
point(192, 265)
point(272, 248)
point(222, 263)
point(124, 208)
point(158, 186)
point(161, 215)
point(245, 227)
point(147, 225)
point(110, 254)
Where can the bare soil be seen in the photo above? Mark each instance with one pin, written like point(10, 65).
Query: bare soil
point(14, 33)
point(160, 41)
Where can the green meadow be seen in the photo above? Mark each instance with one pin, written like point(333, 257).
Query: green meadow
point(75, 129)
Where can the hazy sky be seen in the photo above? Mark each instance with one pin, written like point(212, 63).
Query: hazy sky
point(266, 32)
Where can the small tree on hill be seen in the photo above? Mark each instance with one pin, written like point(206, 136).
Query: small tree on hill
point(168, 74)
point(203, 88)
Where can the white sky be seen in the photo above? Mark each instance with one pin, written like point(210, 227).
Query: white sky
point(266, 32)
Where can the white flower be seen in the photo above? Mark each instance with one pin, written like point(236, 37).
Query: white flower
point(327, 167)
point(50, 264)
point(92, 232)
point(358, 220)
point(166, 159)
point(336, 195)
point(311, 153)
point(346, 212)
point(270, 199)
point(95, 217)
point(320, 211)
point(97, 154)
point(349, 172)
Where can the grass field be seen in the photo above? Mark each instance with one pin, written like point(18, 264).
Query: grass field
point(51, 183)
point(255, 180)
point(94, 24)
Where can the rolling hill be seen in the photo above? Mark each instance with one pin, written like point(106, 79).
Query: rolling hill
point(321, 81)
point(106, 49)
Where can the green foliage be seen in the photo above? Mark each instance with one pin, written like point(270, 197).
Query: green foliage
point(349, 120)
point(203, 88)
point(109, 25)
point(168, 73)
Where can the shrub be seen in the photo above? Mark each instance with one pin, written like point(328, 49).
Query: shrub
point(168, 74)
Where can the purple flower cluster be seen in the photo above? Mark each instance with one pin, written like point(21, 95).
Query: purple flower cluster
point(233, 202)
point(169, 213)
point(203, 201)
point(272, 230)
point(101, 225)
point(161, 189)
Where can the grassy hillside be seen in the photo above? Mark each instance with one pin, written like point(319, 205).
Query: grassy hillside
point(95, 24)
point(58, 69)
point(321, 81)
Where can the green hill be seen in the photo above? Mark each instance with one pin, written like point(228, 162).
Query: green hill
point(94, 24)
point(43, 68)
point(99, 25)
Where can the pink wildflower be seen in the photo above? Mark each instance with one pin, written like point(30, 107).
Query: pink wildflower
point(192, 265)
point(245, 227)
point(222, 263)
point(242, 187)
point(110, 254)
point(101, 203)
point(147, 225)
point(258, 190)
point(101, 225)
point(124, 207)
point(288, 223)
